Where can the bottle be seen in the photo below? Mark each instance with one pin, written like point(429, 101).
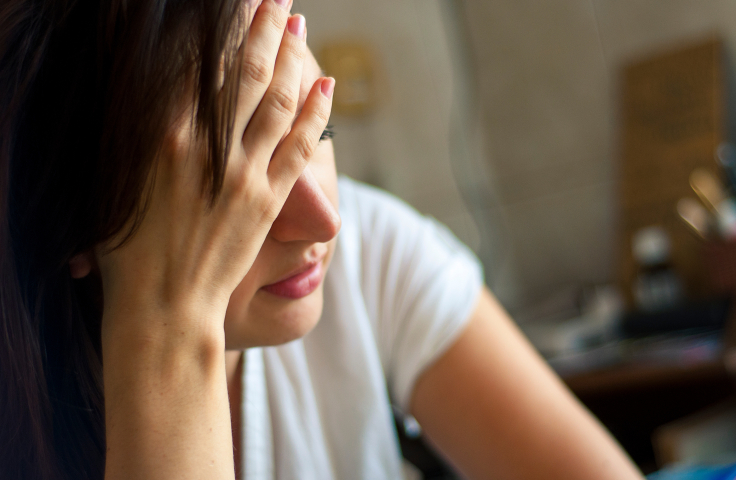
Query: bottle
point(657, 285)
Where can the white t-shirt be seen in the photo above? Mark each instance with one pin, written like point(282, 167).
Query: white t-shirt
point(398, 292)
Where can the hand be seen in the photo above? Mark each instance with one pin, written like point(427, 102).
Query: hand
point(167, 288)
point(186, 256)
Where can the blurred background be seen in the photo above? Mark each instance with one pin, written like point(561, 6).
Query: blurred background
point(580, 148)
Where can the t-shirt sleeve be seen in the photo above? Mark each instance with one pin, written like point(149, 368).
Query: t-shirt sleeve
point(420, 284)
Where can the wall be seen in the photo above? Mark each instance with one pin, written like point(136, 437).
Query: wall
point(547, 76)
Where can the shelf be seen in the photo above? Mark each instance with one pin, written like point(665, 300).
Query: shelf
point(632, 376)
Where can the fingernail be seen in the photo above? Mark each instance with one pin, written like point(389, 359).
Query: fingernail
point(328, 86)
point(283, 3)
point(296, 25)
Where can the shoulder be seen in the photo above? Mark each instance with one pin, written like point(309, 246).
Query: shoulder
point(402, 260)
point(381, 221)
point(366, 203)
point(418, 282)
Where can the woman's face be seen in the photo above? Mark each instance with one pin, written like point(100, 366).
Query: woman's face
point(280, 299)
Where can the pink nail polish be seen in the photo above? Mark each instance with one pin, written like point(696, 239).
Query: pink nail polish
point(296, 25)
point(328, 86)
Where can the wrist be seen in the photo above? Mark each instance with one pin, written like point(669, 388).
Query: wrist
point(151, 332)
point(165, 391)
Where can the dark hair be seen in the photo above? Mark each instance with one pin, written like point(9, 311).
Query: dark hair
point(87, 91)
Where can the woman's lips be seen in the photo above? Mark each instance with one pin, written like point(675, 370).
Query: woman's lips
point(299, 285)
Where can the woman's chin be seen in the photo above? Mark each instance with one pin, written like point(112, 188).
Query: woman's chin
point(274, 320)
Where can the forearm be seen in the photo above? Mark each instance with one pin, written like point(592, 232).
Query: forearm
point(496, 409)
point(166, 407)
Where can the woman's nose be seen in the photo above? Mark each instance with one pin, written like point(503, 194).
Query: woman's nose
point(308, 214)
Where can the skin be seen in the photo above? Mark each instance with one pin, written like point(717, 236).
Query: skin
point(305, 229)
point(185, 297)
point(496, 410)
point(167, 290)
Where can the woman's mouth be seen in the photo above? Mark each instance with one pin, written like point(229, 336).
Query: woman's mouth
point(298, 285)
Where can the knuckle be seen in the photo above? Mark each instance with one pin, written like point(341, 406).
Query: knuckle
point(237, 189)
point(271, 210)
point(240, 184)
point(255, 69)
point(176, 141)
point(171, 143)
point(238, 177)
point(304, 145)
point(296, 50)
point(275, 17)
point(283, 101)
point(323, 115)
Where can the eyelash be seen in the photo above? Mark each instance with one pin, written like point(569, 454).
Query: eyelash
point(328, 133)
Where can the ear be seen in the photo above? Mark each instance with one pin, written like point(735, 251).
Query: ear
point(80, 265)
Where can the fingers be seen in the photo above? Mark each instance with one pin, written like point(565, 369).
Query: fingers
point(295, 151)
point(262, 43)
point(277, 108)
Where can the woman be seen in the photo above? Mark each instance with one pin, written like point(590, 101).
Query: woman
point(169, 200)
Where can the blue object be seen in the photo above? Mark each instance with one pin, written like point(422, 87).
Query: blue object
point(727, 472)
